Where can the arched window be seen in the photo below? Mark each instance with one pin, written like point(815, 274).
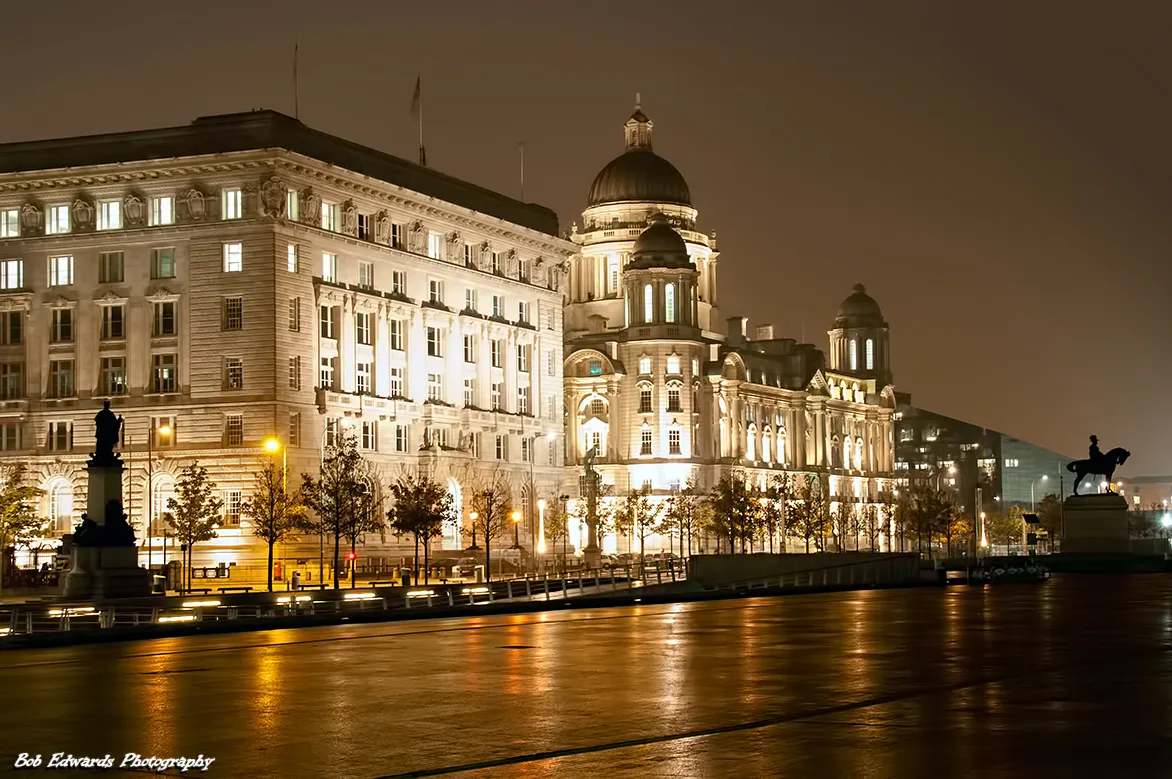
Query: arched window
point(669, 302)
point(846, 452)
point(767, 445)
point(870, 355)
point(648, 304)
point(834, 452)
point(161, 491)
point(854, 354)
point(781, 459)
point(859, 454)
point(751, 443)
point(60, 494)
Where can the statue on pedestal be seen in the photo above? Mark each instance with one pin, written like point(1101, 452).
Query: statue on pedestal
point(1098, 463)
point(107, 432)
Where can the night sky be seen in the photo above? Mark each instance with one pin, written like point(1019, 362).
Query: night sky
point(997, 174)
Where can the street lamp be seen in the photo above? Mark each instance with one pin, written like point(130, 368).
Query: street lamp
point(535, 544)
point(473, 516)
point(162, 430)
point(1033, 504)
point(272, 446)
point(516, 526)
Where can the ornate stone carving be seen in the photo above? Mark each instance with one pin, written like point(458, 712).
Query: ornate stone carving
point(310, 206)
point(274, 196)
point(349, 218)
point(16, 302)
point(417, 238)
point(161, 294)
point(83, 215)
point(193, 206)
point(110, 299)
point(455, 248)
point(382, 228)
point(31, 219)
point(485, 255)
point(134, 211)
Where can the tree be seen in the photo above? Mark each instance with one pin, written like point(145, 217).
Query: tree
point(1050, 515)
point(339, 496)
point(557, 527)
point(193, 512)
point(806, 514)
point(889, 520)
point(492, 502)
point(871, 524)
point(639, 515)
point(18, 513)
point(931, 512)
point(420, 509)
point(687, 510)
point(1004, 527)
point(274, 512)
point(736, 510)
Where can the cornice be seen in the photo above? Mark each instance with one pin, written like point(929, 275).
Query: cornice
point(124, 173)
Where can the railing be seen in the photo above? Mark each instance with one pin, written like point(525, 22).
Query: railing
point(842, 575)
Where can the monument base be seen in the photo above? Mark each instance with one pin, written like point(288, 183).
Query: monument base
point(1095, 524)
point(592, 557)
point(101, 572)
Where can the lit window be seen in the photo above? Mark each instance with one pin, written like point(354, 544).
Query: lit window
point(645, 399)
point(61, 378)
point(523, 310)
point(233, 499)
point(329, 267)
point(695, 366)
point(165, 377)
point(233, 257)
point(329, 216)
point(435, 387)
point(612, 274)
point(648, 304)
point(669, 302)
point(673, 364)
point(233, 203)
point(326, 373)
point(9, 223)
point(11, 274)
point(595, 367)
point(870, 354)
point(363, 378)
point(644, 366)
point(366, 275)
point(109, 215)
point(162, 211)
point(163, 263)
point(58, 220)
point(233, 373)
point(291, 206)
point(60, 271)
point(292, 258)
point(645, 440)
point(434, 244)
point(673, 441)
point(854, 354)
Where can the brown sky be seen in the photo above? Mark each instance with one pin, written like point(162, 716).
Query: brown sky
point(994, 172)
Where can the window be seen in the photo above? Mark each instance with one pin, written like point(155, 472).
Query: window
point(61, 379)
point(470, 300)
point(327, 322)
point(496, 396)
point(645, 440)
point(163, 263)
point(397, 231)
point(11, 274)
point(366, 275)
point(673, 365)
point(370, 436)
point(109, 215)
point(234, 429)
point(233, 373)
point(673, 398)
point(522, 400)
point(10, 436)
point(61, 326)
point(329, 216)
point(395, 328)
point(870, 354)
point(364, 221)
point(162, 211)
point(164, 323)
point(11, 381)
point(595, 367)
point(523, 311)
point(295, 372)
point(57, 220)
point(498, 306)
point(612, 274)
point(523, 358)
point(435, 291)
point(295, 429)
point(435, 386)
point(1010, 462)
point(496, 350)
point(435, 342)
point(292, 206)
point(470, 253)
point(673, 441)
point(327, 372)
point(502, 448)
point(234, 313)
point(164, 373)
point(233, 502)
point(695, 367)
point(362, 328)
point(329, 267)
point(469, 348)
point(233, 257)
point(645, 399)
point(60, 436)
point(113, 323)
point(295, 314)
point(113, 375)
point(526, 450)
point(469, 392)
point(648, 304)
point(110, 267)
point(496, 262)
point(434, 246)
point(395, 377)
point(399, 282)
point(854, 354)
point(523, 269)
point(61, 271)
point(10, 223)
point(400, 438)
point(644, 366)
point(669, 302)
point(232, 203)
point(332, 432)
point(362, 371)
point(291, 258)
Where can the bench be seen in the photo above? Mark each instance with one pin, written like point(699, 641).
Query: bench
point(200, 590)
point(235, 589)
point(312, 586)
point(390, 583)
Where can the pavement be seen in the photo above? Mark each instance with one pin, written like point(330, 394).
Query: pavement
point(1071, 677)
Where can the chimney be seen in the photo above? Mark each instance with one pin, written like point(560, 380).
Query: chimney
point(738, 329)
point(764, 333)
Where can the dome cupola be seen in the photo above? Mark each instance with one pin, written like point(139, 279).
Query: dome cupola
point(639, 174)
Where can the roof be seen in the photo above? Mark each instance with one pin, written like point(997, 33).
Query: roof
point(639, 174)
point(859, 310)
point(269, 130)
point(659, 246)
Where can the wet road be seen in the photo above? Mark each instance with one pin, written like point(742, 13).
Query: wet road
point(1068, 678)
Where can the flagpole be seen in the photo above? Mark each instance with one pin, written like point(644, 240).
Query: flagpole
point(422, 150)
point(522, 170)
point(296, 89)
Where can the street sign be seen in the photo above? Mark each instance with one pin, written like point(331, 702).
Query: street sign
point(1031, 519)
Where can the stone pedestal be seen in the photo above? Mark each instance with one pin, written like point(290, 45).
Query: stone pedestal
point(1095, 524)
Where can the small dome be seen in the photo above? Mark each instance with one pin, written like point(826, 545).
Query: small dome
point(639, 174)
point(859, 310)
point(659, 246)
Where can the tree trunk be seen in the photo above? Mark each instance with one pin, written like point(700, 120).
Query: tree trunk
point(487, 559)
point(337, 553)
point(353, 564)
point(415, 567)
point(427, 560)
point(272, 542)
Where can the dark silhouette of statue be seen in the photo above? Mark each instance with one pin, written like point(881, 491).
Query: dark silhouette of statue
point(116, 532)
point(107, 431)
point(1098, 463)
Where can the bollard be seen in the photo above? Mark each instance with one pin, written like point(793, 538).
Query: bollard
point(407, 600)
point(596, 585)
point(509, 588)
point(580, 588)
point(528, 589)
point(547, 586)
point(451, 598)
point(613, 586)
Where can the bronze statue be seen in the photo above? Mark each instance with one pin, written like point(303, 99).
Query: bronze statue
point(1098, 463)
point(107, 431)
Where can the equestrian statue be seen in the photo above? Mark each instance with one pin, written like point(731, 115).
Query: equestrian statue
point(1098, 463)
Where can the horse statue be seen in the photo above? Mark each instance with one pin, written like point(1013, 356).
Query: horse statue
point(1103, 465)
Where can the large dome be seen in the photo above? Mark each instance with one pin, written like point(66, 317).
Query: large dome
point(659, 246)
point(859, 310)
point(639, 173)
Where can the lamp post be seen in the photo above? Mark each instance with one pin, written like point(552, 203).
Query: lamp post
point(536, 542)
point(1033, 503)
point(163, 430)
point(272, 446)
point(516, 527)
point(473, 516)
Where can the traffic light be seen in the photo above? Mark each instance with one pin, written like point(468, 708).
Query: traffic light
point(351, 555)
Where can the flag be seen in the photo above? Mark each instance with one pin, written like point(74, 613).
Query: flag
point(415, 98)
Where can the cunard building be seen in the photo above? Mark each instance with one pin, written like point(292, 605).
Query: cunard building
point(666, 391)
